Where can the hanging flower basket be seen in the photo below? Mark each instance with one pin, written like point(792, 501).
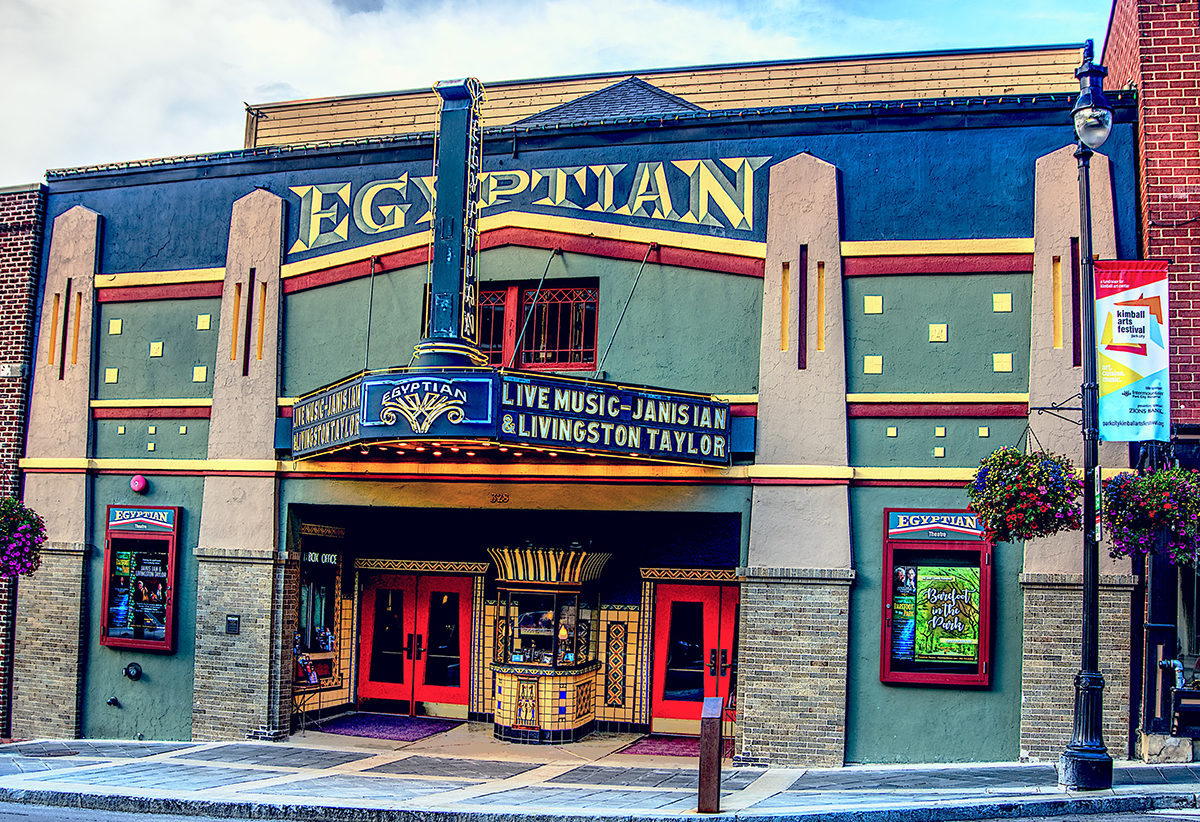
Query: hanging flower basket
point(22, 533)
point(1137, 508)
point(1019, 496)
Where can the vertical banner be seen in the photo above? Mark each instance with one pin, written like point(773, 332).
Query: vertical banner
point(1131, 350)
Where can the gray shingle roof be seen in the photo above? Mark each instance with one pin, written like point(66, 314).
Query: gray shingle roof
point(629, 98)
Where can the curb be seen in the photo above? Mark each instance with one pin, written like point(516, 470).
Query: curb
point(1030, 807)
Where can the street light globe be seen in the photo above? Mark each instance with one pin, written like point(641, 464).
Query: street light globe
point(1092, 123)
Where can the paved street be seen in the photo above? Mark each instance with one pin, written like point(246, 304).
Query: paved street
point(465, 772)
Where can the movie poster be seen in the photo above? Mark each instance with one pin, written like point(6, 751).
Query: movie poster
point(137, 595)
point(947, 614)
point(904, 590)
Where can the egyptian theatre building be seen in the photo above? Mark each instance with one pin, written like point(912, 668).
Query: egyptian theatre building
point(557, 406)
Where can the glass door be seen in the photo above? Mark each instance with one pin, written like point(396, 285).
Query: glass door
point(695, 634)
point(415, 640)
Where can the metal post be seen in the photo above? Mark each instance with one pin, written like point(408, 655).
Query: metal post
point(1086, 765)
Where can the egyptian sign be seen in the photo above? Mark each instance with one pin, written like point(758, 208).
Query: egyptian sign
point(517, 409)
point(1131, 350)
point(699, 194)
point(155, 520)
point(952, 526)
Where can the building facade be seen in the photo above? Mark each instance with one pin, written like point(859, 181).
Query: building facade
point(740, 362)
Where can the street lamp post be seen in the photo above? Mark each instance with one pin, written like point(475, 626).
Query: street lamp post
point(1085, 764)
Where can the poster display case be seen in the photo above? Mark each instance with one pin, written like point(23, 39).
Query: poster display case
point(937, 574)
point(137, 594)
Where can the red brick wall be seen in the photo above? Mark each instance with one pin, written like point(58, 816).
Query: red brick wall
point(21, 214)
point(1155, 46)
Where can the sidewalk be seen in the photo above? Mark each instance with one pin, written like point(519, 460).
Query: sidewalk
point(464, 774)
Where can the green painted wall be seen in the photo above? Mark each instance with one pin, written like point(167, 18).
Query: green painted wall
point(159, 705)
point(324, 329)
point(909, 723)
point(911, 363)
point(661, 341)
point(172, 322)
point(916, 439)
point(185, 439)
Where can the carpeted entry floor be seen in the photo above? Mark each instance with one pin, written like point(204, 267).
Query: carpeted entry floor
point(664, 746)
point(387, 726)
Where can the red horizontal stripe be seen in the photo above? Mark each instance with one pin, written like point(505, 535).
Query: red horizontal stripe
point(910, 483)
point(532, 238)
point(744, 409)
point(936, 264)
point(166, 412)
point(171, 291)
point(933, 409)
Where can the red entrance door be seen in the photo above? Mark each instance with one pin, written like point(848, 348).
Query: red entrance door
point(415, 642)
point(695, 647)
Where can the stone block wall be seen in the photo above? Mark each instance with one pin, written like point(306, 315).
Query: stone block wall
point(1053, 620)
point(48, 673)
point(792, 658)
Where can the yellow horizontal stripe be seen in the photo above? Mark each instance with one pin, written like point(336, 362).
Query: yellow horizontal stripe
point(356, 254)
point(284, 402)
point(819, 472)
point(736, 399)
point(966, 397)
point(136, 278)
point(914, 473)
point(178, 402)
point(139, 464)
point(904, 248)
point(627, 233)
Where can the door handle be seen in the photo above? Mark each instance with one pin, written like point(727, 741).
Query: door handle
point(408, 647)
point(712, 662)
point(418, 650)
point(725, 663)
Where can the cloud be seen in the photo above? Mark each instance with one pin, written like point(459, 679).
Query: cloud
point(113, 80)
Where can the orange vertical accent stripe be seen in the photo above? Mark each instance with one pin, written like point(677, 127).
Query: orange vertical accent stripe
point(262, 315)
point(820, 305)
point(75, 328)
point(237, 310)
point(784, 306)
point(54, 327)
point(1056, 286)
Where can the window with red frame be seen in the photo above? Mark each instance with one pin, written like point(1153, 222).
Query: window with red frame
point(560, 334)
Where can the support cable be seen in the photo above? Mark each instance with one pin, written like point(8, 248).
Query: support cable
point(529, 311)
point(624, 308)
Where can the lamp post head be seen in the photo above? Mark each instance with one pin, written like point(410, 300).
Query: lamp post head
point(1092, 112)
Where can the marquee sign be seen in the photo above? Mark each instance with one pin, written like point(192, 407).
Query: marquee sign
point(513, 408)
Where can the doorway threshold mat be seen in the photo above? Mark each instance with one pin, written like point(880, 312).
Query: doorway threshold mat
point(661, 745)
point(387, 726)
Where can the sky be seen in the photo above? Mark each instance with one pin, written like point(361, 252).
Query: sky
point(103, 81)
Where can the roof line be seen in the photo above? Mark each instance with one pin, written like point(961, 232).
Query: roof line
point(702, 67)
point(922, 106)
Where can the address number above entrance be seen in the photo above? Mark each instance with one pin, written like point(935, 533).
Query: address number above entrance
point(513, 409)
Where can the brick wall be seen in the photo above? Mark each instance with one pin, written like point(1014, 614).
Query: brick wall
point(50, 637)
point(1154, 46)
point(1053, 612)
point(21, 213)
point(242, 689)
point(791, 696)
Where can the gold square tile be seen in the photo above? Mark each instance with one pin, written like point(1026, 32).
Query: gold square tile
point(872, 364)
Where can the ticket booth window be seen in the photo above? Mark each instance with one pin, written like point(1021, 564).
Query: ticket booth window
point(316, 650)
